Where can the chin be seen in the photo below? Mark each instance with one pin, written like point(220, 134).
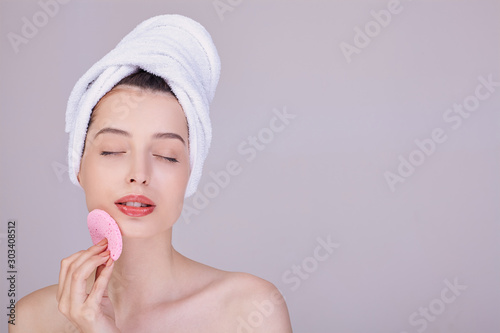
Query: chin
point(134, 228)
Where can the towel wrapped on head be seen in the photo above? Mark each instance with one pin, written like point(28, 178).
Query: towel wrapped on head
point(173, 47)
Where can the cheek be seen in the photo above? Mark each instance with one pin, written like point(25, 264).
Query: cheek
point(94, 176)
point(173, 188)
point(97, 172)
point(177, 178)
point(172, 185)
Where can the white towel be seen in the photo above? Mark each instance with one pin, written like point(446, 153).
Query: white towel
point(174, 47)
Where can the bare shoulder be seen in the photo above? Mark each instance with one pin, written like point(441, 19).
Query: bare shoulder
point(234, 302)
point(37, 312)
point(256, 303)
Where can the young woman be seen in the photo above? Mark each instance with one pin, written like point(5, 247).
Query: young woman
point(136, 166)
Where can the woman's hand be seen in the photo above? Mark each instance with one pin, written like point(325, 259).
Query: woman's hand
point(88, 312)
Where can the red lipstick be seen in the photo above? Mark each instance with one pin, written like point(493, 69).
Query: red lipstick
point(135, 205)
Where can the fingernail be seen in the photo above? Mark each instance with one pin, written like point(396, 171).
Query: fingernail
point(101, 243)
point(104, 254)
point(110, 262)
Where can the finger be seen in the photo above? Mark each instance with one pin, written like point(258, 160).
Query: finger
point(97, 248)
point(98, 271)
point(97, 274)
point(100, 268)
point(93, 250)
point(63, 305)
point(83, 256)
point(101, 283)
point(63, 288)
point(65, 263)
point(72, 262)
point(78, 280)
point(67, 294)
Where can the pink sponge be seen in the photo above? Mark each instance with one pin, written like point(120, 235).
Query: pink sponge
point(102, 225)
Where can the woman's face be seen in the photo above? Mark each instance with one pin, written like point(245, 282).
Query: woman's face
point(137, 144)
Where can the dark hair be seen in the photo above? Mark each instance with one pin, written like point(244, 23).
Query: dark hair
point(147, 81)
point(143, 80)
point(140, 79)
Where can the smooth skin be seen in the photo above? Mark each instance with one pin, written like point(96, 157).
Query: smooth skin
point(151, 287)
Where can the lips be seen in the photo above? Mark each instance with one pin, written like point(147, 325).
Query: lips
point(128, 205)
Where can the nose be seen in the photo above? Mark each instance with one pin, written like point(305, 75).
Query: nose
point(139, 170)
point(139, 179)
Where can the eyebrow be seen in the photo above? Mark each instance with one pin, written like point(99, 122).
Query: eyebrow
point(159, 135)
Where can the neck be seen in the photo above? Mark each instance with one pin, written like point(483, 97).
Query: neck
point(144, 265)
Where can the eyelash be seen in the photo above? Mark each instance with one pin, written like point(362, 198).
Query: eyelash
point(170, 159)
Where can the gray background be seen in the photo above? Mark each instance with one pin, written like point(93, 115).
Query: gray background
point(323, 175)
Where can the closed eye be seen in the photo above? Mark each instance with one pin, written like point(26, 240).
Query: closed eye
point(170, 159)
point(105, 153)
